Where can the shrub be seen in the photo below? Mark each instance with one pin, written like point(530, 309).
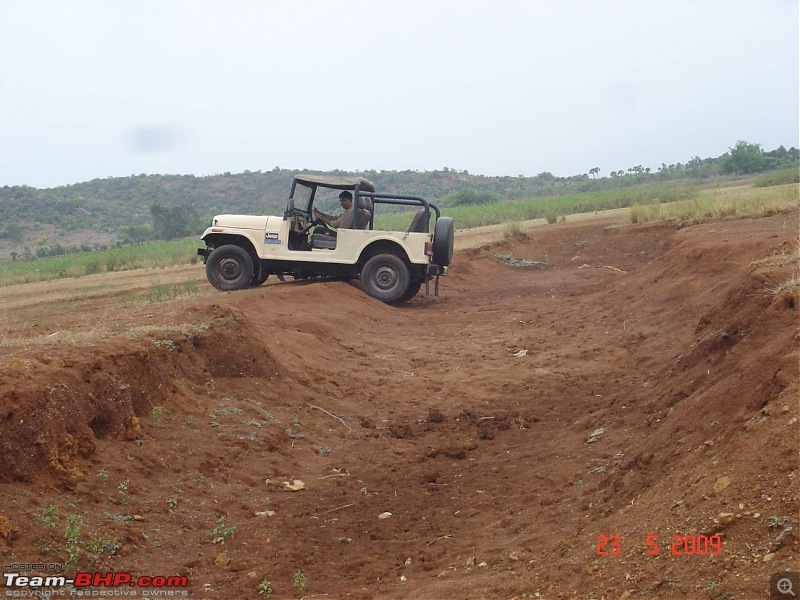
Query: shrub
point(782, 177)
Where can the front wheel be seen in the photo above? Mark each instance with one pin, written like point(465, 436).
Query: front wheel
point(230, 267)
point(260, 278)
point(385, 277)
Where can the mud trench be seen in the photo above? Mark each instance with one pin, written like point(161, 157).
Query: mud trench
point(630, 382)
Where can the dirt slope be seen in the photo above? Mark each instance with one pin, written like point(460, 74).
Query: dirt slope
point(641, 383)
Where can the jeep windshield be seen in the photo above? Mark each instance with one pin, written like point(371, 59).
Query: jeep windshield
point(304, 188)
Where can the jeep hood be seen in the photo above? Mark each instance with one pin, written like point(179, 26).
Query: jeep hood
point(241, 221)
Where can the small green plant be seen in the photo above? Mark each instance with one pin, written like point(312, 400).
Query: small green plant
point(776, 521)
point(265, 588)
point(220, 531)
point(514, 229)
point(156, 414)
point(72, 533)
point(551, 215)
point(299, 581)
point(50, 517)
point(172, 501)
point(293, 434)
point(122, 488)
point(98, 546)
point(168, 344)
point(323, 451)
point(102, 475)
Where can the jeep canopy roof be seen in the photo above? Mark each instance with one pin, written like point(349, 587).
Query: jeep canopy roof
point(337, 183)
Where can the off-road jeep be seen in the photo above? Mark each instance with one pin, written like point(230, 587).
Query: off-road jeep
point(242, 251)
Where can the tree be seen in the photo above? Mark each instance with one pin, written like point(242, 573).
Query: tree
point(469, 197)
point(743, 158)
point(594, 171)
point(173, 222)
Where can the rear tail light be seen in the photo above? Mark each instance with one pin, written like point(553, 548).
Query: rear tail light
point(428, 248)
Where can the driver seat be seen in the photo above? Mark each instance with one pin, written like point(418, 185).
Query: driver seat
point(327, 240)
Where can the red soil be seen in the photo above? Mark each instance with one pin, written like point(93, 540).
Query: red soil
point(663, 337)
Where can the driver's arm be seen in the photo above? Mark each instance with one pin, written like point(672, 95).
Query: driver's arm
point(321, 216)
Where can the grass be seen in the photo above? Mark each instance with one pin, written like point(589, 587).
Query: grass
point(514, 229)
point(143, 256)
point(552, 209)
point(647, 203)
point(778, 178)
point(728, 202)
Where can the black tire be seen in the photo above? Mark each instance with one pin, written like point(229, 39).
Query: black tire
point(443, 240)
point(413, 290)
point(230, 267)
point(260, 278)
point(385, 277)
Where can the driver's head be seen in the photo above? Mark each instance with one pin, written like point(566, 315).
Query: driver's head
point(346, 198)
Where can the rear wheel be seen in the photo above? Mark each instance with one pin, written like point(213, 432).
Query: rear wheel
point(413, 290)
point(230, 267)
point(386, 278)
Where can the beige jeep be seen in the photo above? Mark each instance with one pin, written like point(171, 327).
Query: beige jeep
point(242, 251)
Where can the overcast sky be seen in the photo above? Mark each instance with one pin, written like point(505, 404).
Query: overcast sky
point(497, 87)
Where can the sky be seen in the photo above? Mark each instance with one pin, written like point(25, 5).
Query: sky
point(96, 88)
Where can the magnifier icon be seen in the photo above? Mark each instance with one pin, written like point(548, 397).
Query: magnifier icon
point(784, 586)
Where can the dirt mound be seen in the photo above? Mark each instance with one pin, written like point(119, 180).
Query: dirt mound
point(55, 405)
point(587, 382)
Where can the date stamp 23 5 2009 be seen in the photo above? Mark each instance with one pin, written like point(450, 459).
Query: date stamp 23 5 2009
point(679, 545)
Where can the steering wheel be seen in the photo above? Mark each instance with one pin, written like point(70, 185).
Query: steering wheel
point(317, 223)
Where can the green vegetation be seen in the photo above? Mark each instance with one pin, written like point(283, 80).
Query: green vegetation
point(141, 256)
point(720, 203)
point(777, 521)
point(778, 178)
point(220, 531)
point(514, 229)
point(142, 207)
point(72, 533)
point(146, 207)
point(548, 208)
point(299, 581)
point(265, 588)
point(50, 516)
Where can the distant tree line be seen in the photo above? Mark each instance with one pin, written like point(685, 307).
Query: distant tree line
point(146, 207)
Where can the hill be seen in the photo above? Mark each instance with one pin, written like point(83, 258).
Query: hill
point(97, 213)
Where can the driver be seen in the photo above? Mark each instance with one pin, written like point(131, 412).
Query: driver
point(346, 199)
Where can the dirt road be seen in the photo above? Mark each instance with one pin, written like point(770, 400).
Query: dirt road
point(640, 385)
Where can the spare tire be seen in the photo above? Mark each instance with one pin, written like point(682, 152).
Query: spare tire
point(443, 240)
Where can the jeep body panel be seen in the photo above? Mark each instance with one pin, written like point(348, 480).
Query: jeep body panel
point(293, 244)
